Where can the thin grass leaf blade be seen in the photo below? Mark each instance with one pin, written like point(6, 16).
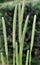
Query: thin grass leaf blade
point(20, 17)
point(2, 59)
point(24, 31)
point(17, 56)
point(25, 28)
point(27, 57)
point(32, 37)
point(5, 37)
point(22, 14)
point(33, 32)
point(19, 25)
point(22, 39)
point(14, 26)
point(14, 32)
point(22, 11)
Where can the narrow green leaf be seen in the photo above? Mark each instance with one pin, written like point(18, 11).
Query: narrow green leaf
point(27, 57)
point(14, 32)
point(22, 14)
point(17, 56)
point(32, 37)
point(33, 32)
point(14, 25)
point(25, 28)
point(2, 59)
point(5, 37)
point(20, 17)
point(22, 11)
point(22, 40)
point(19, 25)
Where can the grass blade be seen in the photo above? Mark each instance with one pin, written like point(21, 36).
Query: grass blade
point(22, 40)
point(2, 59)
point(20, 17)
point(17, 60)
point(22, 11)
point(25, 28)
point(32, 38)
point(14, 32)
point(19, 25)
point(27, 56)
point(5, 37)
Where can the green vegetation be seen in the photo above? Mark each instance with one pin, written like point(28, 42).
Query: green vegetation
point(21, 37)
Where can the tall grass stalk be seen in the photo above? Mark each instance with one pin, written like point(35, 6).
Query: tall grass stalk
point(19, 25)
point(14, 32)
point(32, 37)
point(5, 38)
point(2, 59)
point(17, 56)
point(27, 57)
point(22, 40)
point(20, 17)
point(25, 29)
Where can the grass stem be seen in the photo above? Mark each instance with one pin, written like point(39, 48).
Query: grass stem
point(32, 37)
point(2, 59)
point(27, 57)
point(14, 32)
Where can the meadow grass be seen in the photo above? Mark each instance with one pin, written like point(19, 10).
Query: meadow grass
point(21, 36)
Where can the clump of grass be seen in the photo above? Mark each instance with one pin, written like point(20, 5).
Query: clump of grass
point(21, 36)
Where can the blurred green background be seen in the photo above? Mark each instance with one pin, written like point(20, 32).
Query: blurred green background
point(1, 1)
